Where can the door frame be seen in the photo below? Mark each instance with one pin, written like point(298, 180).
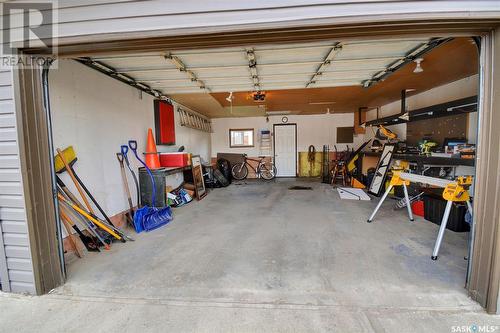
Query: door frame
point(485, 275)
point(274, 145)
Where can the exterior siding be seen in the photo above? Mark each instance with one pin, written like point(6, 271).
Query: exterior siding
point(16, 269)
point(79, 19)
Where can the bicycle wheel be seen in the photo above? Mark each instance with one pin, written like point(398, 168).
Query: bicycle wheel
point(239, 171)
point(267, 170)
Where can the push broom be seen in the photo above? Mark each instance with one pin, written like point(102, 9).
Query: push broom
point(64, 161)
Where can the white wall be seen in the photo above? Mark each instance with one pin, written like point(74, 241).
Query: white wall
point(96, 114)
point(462, 88)
point(316, 130)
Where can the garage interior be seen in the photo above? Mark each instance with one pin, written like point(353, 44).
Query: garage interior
point(307, 108)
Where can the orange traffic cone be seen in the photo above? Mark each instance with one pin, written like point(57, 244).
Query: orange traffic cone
point(152, 159)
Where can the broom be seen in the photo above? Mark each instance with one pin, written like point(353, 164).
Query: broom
point(149, 218)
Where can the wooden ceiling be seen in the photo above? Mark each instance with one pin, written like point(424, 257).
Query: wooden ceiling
point(449, 62)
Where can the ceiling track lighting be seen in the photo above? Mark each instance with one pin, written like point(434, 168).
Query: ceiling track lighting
point(182, 68)
point(326, 62)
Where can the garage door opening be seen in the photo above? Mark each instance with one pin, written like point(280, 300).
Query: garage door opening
point(257, 240)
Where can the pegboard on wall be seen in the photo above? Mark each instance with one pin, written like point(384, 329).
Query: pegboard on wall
point(437, 129)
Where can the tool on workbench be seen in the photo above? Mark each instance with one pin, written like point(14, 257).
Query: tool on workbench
point(149, 218)
point(383, 133)
point(426, 145)
point(65, 160)
point(129, 215)
point(124, 151)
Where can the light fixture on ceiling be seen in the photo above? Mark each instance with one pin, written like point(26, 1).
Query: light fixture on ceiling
point(405, 116)
point(278, 113)
point(230, 100)
point(321, 103)
point(418, 67)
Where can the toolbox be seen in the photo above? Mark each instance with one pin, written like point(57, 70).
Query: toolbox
point(434, 207)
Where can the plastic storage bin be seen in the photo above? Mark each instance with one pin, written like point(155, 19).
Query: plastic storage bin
point(434, 210)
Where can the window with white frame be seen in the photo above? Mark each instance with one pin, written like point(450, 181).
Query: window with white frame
point(239, 138)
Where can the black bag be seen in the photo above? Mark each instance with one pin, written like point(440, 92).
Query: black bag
point(220, 178)
point(225, 168)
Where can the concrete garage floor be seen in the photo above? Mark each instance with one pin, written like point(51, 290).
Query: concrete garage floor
point(260, 257)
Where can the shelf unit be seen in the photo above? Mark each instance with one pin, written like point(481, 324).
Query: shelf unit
point(265, 143)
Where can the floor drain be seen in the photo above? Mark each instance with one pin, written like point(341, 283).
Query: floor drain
point(300, 188)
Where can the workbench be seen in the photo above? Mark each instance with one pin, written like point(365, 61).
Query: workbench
point(370, 159)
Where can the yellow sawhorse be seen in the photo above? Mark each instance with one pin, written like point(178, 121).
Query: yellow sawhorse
point(454, 191)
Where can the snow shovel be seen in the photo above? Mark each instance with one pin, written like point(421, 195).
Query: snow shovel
point(149, 218)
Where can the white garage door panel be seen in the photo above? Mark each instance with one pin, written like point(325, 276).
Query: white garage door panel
point(285, 150)
point(16, 273)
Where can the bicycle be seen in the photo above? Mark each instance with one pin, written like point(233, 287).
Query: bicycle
point(265, 169)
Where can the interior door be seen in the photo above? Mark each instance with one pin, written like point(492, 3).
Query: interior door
point(285, 149)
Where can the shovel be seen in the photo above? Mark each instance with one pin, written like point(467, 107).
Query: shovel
point(124, 151)
point(89, 242)
point(149, 218)
point(72, 239)
point(64, 160)
point(130, 214)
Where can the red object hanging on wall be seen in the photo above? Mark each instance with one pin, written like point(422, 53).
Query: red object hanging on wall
point(164, 123)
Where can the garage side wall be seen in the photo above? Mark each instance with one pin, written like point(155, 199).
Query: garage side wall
point(16, 268)
point(465, 87)
point(97, 114)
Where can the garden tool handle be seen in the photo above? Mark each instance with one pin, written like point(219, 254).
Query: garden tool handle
point(119, 156)
point(132, 144)
point(124, 150)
